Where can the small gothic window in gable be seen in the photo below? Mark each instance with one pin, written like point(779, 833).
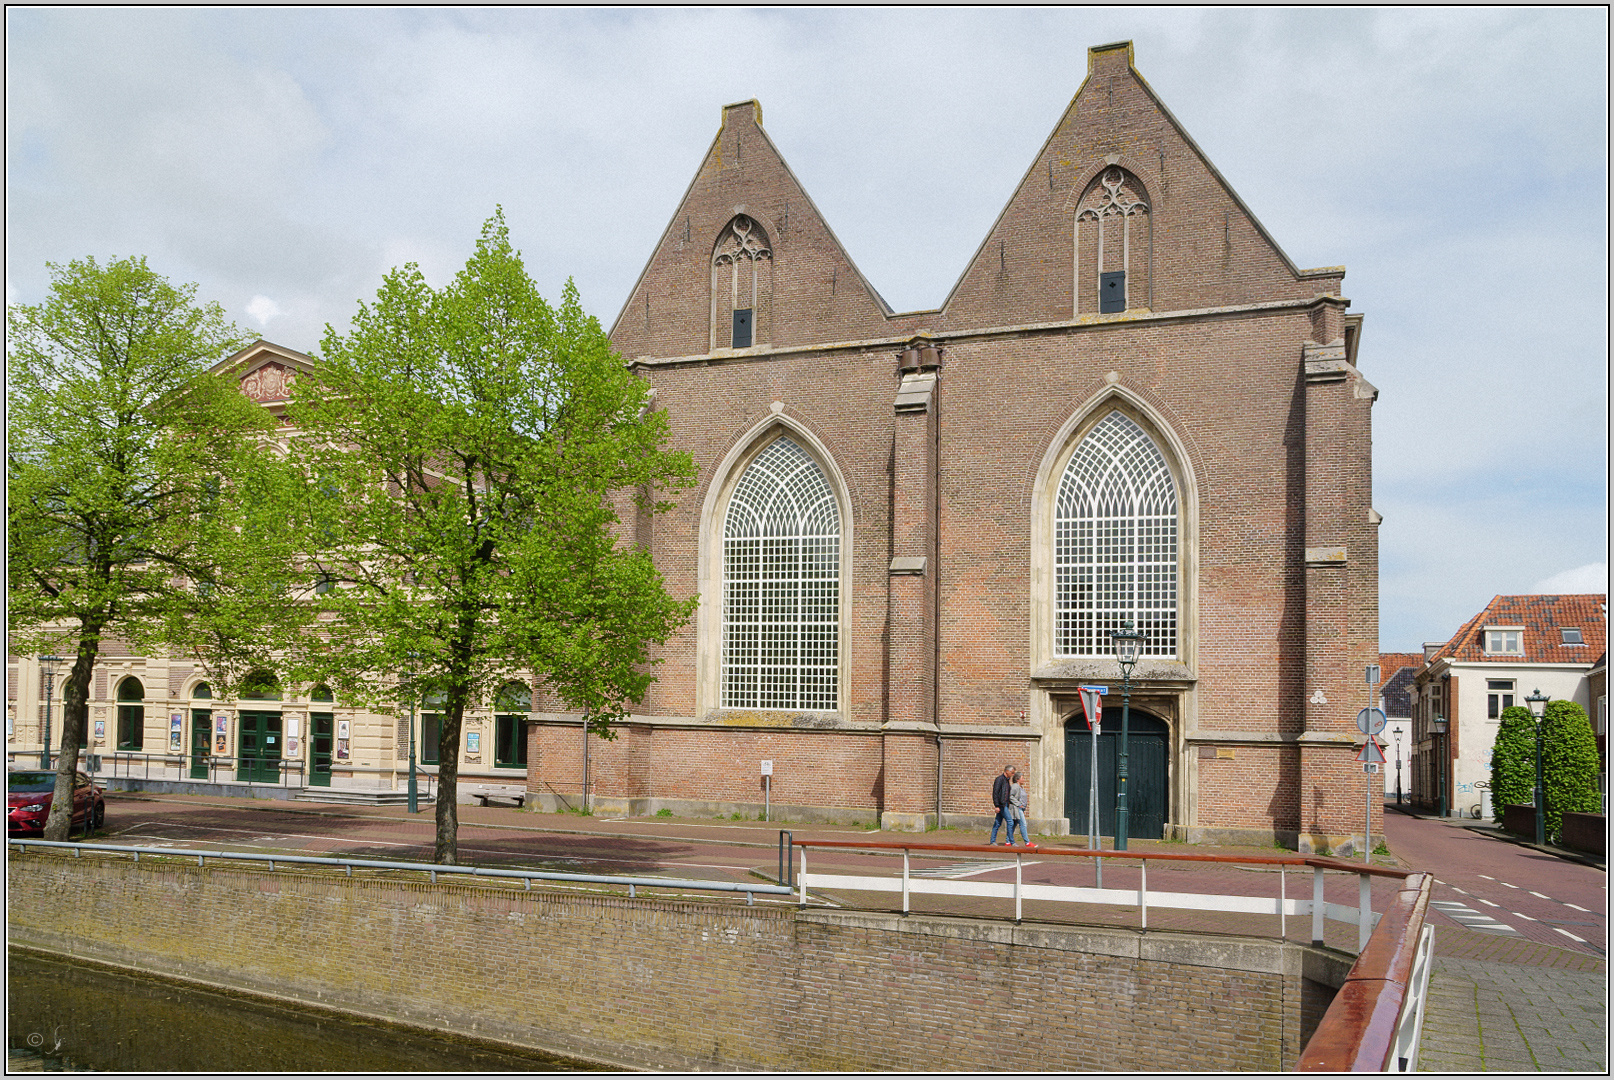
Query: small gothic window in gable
point(1113, 250)
point(742, 285)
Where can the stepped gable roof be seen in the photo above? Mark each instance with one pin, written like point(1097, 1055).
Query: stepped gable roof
point(1543, 618)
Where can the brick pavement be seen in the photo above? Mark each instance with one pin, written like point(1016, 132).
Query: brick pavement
point(1484, 1016)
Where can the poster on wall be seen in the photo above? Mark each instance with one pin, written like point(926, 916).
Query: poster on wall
point(221, 723)
point(291, 746)
point(221, 745)
point(341, 750)
point(294, 727)
point(176, 731)
point(473, 742)
point(100, 731)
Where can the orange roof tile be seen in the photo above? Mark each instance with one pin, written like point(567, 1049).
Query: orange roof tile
point(1543, 617)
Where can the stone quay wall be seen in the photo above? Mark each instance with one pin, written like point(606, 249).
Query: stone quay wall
point(671, 984)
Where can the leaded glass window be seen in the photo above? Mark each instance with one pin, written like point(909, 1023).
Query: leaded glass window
point(781, 585)
point(1115, 543)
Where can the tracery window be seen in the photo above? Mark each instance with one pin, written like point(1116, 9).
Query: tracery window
point(1115, 543)
point(742, 285)
point(1113, 245)
point(781, 585)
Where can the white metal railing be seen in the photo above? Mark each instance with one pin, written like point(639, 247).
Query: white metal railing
point(432, 869)
point(1018, 891)
point(1409, 1032)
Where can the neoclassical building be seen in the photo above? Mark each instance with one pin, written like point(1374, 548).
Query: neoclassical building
point(915, 533)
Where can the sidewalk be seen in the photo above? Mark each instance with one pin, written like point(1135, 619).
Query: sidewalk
point(1496, 832)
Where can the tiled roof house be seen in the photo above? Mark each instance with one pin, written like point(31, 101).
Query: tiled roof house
point(1517, 646)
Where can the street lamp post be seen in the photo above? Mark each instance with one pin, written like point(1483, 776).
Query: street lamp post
point(1438, 727)
point(1538, 709)
point(1126, 641)
point(47, 675)
point(414, 803)
point(1398, 766)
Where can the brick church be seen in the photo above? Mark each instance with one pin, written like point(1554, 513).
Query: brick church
point(914, 533)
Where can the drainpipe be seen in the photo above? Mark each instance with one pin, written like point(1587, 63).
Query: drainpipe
point(938, 773)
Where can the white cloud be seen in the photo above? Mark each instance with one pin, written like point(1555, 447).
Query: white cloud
point(1591, 578)
point(262, 309)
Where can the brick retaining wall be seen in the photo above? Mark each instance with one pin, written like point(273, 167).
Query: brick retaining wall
point(689, 984)
point(1585, 832)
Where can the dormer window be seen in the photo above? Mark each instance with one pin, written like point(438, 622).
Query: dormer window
point(1504, 642)
point(1571, 635)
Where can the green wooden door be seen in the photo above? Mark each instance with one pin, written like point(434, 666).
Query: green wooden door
point(1148, 799)
point(260, 748)
point(320, 728)
point(201, 721)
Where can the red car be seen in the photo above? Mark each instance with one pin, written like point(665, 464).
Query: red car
point(28, 798)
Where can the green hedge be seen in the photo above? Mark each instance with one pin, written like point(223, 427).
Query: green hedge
point(1513, 761)
point(1569, 763)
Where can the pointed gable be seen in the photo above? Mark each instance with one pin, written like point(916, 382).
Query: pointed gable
point(266, 372)
point(746, 239)
point(1121, 209)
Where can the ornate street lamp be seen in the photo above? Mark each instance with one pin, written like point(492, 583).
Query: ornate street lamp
point(47, 675)
point(414, 804)
point(1126, 642)
point(1538, 709)
point(1437, 725)
point(1398, 766)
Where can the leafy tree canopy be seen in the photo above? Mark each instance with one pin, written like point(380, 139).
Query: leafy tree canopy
point(141, 489)
point(468, 450)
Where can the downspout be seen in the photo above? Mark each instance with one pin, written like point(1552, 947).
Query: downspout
point(935, 565)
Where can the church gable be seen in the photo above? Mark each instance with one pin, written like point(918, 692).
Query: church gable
point(747, 261)
point(1122, 212)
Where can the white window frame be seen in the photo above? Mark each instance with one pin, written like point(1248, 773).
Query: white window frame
point(1135, 503)
point(1486, 641)
point(782, 584)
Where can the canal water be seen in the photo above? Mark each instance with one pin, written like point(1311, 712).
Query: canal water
point(76, 1017)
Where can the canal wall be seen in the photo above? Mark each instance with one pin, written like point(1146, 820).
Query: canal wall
point(688, 985)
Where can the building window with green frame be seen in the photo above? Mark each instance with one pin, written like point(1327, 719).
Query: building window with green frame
point(131, 715)
point(511, 710)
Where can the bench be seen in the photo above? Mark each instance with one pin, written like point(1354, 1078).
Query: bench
point(487, 799)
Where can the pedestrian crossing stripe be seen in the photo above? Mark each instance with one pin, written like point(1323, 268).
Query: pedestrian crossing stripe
point(1468, 917)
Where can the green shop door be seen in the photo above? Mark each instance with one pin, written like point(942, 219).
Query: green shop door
point(1146, 780)
point(201, 720)
point(320, 726)
point(260, 748)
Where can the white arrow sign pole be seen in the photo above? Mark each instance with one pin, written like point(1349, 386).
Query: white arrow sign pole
point(1093, 705)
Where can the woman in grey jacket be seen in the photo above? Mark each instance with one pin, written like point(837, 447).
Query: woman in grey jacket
point(1019, 803)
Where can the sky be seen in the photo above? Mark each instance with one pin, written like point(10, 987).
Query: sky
point(1454, 160)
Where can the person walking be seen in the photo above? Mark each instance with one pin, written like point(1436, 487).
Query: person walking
point(1019, 803)
point(1000, 800)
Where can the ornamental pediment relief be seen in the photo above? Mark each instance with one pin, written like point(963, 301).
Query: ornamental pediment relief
point(271, 382)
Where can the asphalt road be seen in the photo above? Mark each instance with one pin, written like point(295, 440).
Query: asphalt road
point(1501, 888)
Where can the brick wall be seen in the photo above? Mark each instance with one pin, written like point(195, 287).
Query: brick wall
point(688, 985)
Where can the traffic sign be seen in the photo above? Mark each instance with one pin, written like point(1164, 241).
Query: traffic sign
point(1371, 752)
point(1370, 721)
point(1370, 767)
point(1092, 707)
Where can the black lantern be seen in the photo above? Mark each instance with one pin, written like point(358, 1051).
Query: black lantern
point(1127, 642)
point(1538, 709)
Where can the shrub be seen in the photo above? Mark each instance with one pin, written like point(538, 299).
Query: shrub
point(1513, 761)
point(1568, 763)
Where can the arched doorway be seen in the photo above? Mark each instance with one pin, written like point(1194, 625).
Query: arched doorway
point(131, 715)
point(259, 731)
point(1148, 787)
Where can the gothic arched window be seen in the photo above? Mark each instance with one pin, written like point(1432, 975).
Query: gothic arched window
point(1114, 246)
point(1115, 543)
point(742, 285)
point(781, 585)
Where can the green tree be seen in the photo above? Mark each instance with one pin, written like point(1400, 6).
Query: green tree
point(1568, 763)
point(1513, 761)
point(467, 449)
point(141, 487)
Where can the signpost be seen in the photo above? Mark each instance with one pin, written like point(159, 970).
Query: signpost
point(767, 789)
point(1093, 709)
point(1371, 756)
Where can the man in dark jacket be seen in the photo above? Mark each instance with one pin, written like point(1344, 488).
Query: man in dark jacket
point(1000, 799)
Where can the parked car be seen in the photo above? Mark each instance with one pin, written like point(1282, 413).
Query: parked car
point(28, 799)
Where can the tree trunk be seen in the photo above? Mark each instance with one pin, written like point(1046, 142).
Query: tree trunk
point(75, 721)
point(448, 776)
